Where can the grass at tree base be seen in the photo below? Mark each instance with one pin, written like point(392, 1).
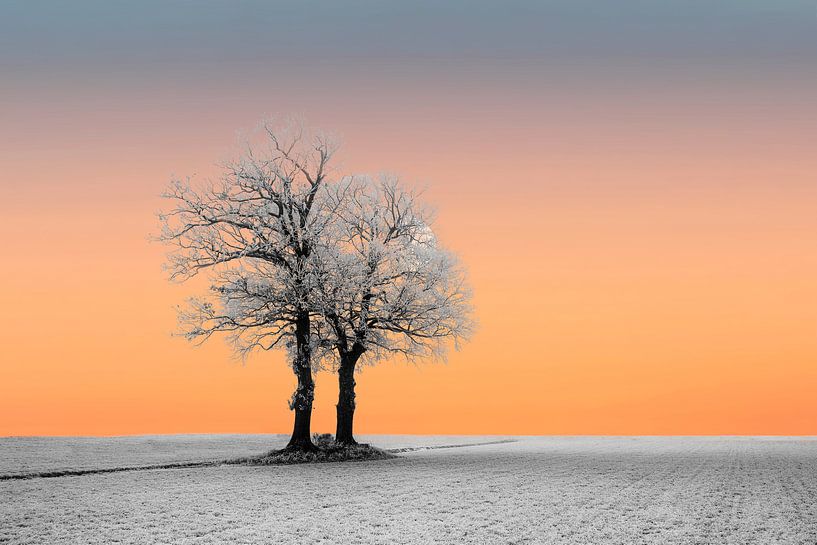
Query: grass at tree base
point(327, 451)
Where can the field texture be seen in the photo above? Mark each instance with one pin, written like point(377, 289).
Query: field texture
point(24, 455)
point(535, 490)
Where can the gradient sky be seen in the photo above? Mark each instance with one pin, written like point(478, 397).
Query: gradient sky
point(632, 185)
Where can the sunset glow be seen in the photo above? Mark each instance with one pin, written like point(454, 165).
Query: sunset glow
point(640, 230)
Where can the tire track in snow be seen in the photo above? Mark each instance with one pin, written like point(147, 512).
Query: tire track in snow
point(433, 447)
point(79, 472)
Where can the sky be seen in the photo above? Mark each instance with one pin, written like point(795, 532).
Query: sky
point(632, 186)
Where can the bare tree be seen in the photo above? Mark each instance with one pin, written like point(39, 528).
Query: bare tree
point(255, 230)
point(389, 287)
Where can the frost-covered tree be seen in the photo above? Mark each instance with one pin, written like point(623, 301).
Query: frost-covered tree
point(256, 231)
point(389, 287)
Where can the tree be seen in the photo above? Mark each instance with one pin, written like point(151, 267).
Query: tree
point(256, 231)
point(389, 287)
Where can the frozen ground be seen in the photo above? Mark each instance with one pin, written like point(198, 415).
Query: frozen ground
point(21, 455)
point(577, 490)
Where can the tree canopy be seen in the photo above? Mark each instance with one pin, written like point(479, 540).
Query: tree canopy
point(335, 270)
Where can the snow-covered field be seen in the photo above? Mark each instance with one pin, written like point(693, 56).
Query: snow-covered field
point(23, 455)
point(536, 490)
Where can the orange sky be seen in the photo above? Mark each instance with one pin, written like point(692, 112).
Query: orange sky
point(642, 243)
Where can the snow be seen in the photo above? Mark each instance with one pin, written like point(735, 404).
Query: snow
point(578, 490)
point(21, 455)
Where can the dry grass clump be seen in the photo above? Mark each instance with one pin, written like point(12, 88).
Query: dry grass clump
point(327, 451)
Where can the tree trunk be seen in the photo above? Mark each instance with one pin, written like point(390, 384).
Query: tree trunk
point(301, 401)
point(346, 397)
